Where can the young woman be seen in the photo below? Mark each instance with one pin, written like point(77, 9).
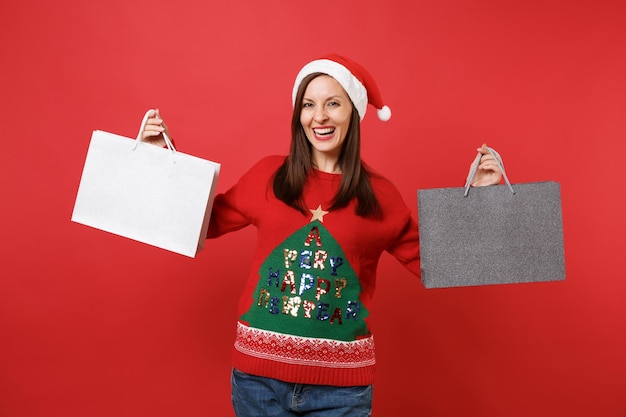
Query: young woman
point(304, 346)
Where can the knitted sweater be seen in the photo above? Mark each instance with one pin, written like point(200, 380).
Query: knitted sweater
point(304, 312)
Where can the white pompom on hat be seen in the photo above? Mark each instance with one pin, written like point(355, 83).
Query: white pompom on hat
point(357, 82)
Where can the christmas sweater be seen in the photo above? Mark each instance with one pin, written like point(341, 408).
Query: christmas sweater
point(304, 311)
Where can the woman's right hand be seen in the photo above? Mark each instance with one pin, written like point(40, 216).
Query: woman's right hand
point(154, 128)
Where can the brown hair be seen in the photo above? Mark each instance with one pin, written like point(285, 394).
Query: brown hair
point(291, 176)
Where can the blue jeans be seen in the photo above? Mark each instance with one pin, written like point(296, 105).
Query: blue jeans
point(255, 396)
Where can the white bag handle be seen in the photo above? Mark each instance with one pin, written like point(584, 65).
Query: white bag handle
point(168, 141)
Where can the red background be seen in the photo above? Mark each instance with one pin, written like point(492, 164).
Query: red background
point(96, 325)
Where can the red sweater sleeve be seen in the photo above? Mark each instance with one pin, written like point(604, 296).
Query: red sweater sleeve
point(236, 208)
point(403, 243)
point(225, 215)
point(406, 248)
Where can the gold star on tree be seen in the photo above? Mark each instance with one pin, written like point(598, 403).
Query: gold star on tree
point(318, 214)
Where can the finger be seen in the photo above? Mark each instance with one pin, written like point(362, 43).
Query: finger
point(154, 121)
point(490, 157)
point(486, 158)
point(150, 134)
point(161, 120)
point(153, 131)
point(489, 166)
point(488, 163)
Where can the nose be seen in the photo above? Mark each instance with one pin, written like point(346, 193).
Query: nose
point(320, 114)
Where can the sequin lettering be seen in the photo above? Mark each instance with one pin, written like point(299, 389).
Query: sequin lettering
point(308, 307)
point(336, 316)
point(311, 285)
point(314, 234)
point(334, 264)
point(307, 281)
point(275, 304)
point(271, 275)
point(305, 259)
point(320, 258)
point(290, 281)
point(291, 305)
point(264, 298)
point(290, 256)
point(340, 284)
point(322, 311)
point(306, 296)
point(352, 311)
point(323, 285)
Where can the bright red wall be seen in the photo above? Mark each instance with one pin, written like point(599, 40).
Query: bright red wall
point(97, 325)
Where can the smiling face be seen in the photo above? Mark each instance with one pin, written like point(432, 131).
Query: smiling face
point(325, 118)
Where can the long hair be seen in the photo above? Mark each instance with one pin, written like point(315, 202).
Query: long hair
point(291, 176)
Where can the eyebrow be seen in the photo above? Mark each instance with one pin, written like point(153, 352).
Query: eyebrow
point(334, 97)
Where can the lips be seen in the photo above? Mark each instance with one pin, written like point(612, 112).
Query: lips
point(323, 132)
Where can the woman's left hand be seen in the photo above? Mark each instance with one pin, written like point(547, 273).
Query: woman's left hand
point(488, 172)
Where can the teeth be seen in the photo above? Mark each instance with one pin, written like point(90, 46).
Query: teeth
point(324, 131)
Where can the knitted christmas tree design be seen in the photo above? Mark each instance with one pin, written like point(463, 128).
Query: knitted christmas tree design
point(308, 288)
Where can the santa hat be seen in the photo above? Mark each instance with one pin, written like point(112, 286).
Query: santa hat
point(357, 82)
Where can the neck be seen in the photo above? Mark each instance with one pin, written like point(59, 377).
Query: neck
point(326, 164)
point(329, 168)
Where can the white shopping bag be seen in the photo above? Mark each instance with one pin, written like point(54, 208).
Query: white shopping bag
point(154, 195)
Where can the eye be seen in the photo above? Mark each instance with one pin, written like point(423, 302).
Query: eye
point(333, 104)
point(307, 104)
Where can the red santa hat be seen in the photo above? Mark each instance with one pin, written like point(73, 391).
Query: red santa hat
point(357, 82)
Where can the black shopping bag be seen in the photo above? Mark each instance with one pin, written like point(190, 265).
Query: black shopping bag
point(499, 234)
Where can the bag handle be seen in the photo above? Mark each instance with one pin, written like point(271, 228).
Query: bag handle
point(474, 168)
point(168, 141)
